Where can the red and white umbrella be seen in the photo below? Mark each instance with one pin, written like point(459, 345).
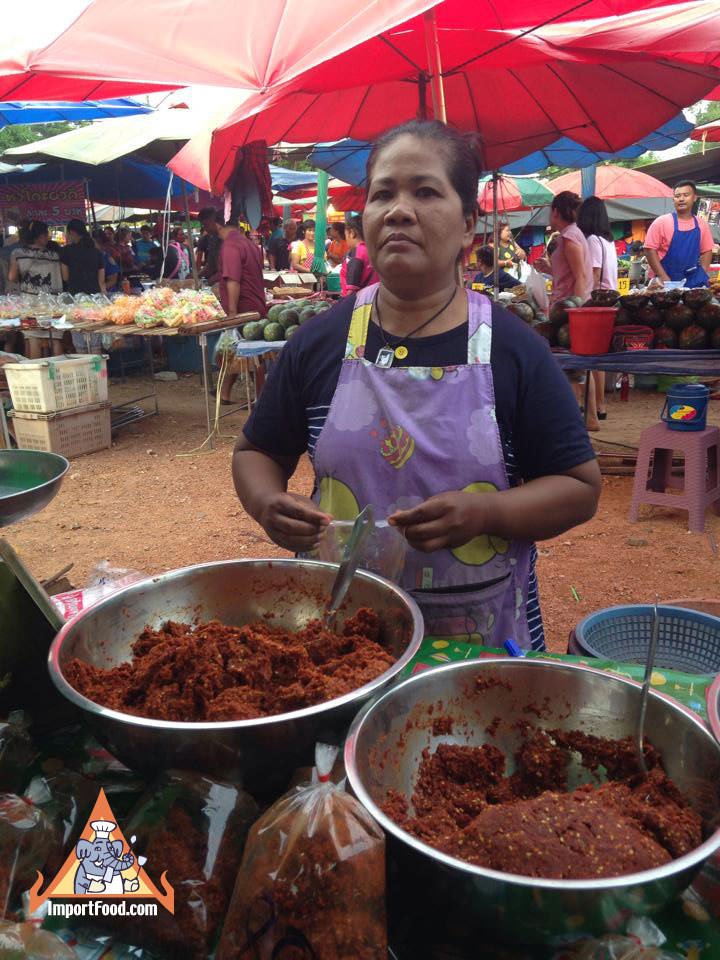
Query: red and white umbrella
point(613, 183)
point(708, 132)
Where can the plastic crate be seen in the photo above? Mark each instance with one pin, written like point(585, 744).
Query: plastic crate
point(687, 639)
point(57, 383)
point(70, 432)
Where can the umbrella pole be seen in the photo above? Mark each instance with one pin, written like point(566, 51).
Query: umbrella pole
point(496, 266)
point(191, 249)
point(432, 47)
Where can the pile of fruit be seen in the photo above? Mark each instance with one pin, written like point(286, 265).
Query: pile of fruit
point(284, 319)
point(678, 319)
point(164, 307)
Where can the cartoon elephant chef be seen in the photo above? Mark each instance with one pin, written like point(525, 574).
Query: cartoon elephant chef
point(101, 862)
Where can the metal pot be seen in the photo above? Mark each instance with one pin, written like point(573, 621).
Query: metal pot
point(259, 754)
point(383, 751)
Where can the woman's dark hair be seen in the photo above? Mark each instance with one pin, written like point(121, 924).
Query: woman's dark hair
point(79, 228)
point(486, 256)
point(459, 150)
point(340, 228)
point(566, 204)
point(36, 228)
point(122, 233)
point(593, 220)
point(308, 225)
point(355, 224)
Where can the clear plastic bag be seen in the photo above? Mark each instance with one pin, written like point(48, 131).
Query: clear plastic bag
point(66, 798)
point(383, 552)
point(615, 947)
point(312, 881)
point(26, 838)
point(103, 581)
point(226, 343)
point(25, 941)
point(195, 828)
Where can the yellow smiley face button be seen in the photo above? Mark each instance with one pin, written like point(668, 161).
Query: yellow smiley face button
point(401, 352)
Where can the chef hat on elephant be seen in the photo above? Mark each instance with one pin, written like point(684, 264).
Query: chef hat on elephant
point(102, 828)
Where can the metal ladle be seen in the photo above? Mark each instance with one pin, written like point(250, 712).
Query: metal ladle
point(649, 664)
point(363, 526)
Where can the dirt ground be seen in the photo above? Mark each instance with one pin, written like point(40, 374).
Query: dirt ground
point(152, 504)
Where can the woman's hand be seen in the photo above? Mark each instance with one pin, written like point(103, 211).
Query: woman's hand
point(543, 265)
point(292, 521)
point(445, 520)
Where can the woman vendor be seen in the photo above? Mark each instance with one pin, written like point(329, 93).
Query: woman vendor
point(445, 412)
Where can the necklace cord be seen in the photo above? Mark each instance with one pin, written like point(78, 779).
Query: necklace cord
point(412, 333)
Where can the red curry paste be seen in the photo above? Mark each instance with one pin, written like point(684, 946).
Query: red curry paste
point(215, 672)
point(527, 823)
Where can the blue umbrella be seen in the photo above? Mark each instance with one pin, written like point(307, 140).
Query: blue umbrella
point(346, 159)
point(50, 111)
point(567, 153)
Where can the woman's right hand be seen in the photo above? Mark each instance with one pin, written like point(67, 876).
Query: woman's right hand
point(293, 521)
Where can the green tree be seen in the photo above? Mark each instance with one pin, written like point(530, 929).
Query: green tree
point(22, 133)
point(707, 115)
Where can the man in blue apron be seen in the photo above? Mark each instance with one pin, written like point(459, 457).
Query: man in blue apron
point(679, 245)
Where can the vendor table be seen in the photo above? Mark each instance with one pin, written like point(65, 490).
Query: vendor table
point(199, 330)
point(700, 363)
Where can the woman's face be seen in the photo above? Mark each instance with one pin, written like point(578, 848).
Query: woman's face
point(310, 234)
point(413, 222)
point(505, 235)
point(555, 220)
point(41, 240)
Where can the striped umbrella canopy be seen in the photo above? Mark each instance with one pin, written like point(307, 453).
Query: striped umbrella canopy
point(513, 193)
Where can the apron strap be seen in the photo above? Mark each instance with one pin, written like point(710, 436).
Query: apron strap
point(360, 322)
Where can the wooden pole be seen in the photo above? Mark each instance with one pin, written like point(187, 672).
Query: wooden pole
point(432, 48)
point(191, 249)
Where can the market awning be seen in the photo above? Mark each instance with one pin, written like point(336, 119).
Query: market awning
point(15, 112)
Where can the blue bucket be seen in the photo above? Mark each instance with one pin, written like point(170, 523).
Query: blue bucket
point(686, 407)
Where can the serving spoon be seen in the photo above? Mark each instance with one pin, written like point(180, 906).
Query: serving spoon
point(362, 528)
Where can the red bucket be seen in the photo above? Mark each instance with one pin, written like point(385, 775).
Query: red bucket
point(591, 329)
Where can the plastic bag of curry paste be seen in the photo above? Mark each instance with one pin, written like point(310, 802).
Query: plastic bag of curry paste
point(194, 828)
point(26, 841)
point(312, 881)
point(17, 752)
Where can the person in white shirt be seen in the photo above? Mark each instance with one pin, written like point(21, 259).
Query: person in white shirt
point(594, 222)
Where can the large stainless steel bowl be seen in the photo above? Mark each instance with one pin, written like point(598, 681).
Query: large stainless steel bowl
point(383, 751)
point(260, 754)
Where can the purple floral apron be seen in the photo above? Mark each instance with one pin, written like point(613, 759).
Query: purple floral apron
point(394, 437)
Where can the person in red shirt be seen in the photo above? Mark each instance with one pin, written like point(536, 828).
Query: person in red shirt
point(242, 288)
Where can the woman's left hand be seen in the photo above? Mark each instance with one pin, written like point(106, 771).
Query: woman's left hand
point(445, 520)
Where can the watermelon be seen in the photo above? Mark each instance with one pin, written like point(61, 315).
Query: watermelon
point(274, 332)
point(708, 316)
point(665, 339)
point(289, 318)
point(291, 330)
point(547, 330)
point(307, 313)
point(692, 338)
point(559, 310)
point(522, 310)
point(678, 316)
point(275, 310)
point(252, 330)
point(697, 296)
point(563, 336)
point(715, 339)
point(649, 316)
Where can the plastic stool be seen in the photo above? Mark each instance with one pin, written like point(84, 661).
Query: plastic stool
point(701, 486)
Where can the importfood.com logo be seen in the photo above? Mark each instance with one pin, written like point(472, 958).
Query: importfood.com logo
point(102, 876)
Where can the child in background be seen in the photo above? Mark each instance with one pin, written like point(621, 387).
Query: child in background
point(357, 271)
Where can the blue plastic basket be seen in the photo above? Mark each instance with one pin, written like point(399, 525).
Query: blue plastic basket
point(687, 639)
